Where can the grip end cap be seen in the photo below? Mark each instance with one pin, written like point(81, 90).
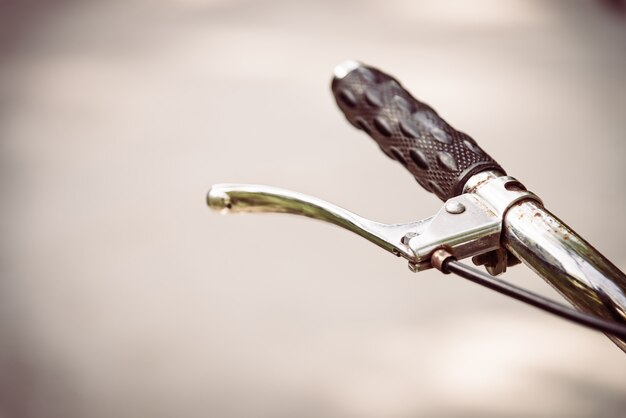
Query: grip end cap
point(345, 68)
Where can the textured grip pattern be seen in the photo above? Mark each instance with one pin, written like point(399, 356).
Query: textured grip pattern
point(440, 158)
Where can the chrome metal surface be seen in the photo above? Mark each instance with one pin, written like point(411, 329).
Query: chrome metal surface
point(474, 231)
point(405, 239)
point(471, 228)
point(454, 207)
point(479, 178)
point(567, 262)
point(256, 198)
point(501, 192)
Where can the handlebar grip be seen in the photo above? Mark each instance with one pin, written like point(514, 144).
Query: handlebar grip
point(440, 158)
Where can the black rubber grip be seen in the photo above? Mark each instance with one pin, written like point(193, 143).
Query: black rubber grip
point(440, 158)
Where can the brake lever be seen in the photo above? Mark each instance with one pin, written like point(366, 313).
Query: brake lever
point(250, 198)
point(466, 226)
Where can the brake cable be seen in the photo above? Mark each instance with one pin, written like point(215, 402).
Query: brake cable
point(450, 265)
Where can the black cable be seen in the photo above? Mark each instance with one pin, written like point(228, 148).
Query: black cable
point(595, 322)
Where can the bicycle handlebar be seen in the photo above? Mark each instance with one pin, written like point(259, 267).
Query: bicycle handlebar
point(488, 215)
point(440, 158)
point(448, 162)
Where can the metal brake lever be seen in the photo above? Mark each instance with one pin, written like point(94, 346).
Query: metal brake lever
point(466, 226)
point(253, 198)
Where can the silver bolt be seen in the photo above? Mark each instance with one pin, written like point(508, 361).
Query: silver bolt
point(405, 239)
point(455, 207)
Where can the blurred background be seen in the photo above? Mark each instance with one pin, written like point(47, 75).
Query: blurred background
point(122, 295)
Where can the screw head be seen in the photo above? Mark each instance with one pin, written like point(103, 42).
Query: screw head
point(405, 239)
point(455, 207)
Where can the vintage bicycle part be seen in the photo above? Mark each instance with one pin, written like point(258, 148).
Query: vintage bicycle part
point(487, 215)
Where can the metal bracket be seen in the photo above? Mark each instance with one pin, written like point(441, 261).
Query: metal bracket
point(465, 226)
point(501, 193)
